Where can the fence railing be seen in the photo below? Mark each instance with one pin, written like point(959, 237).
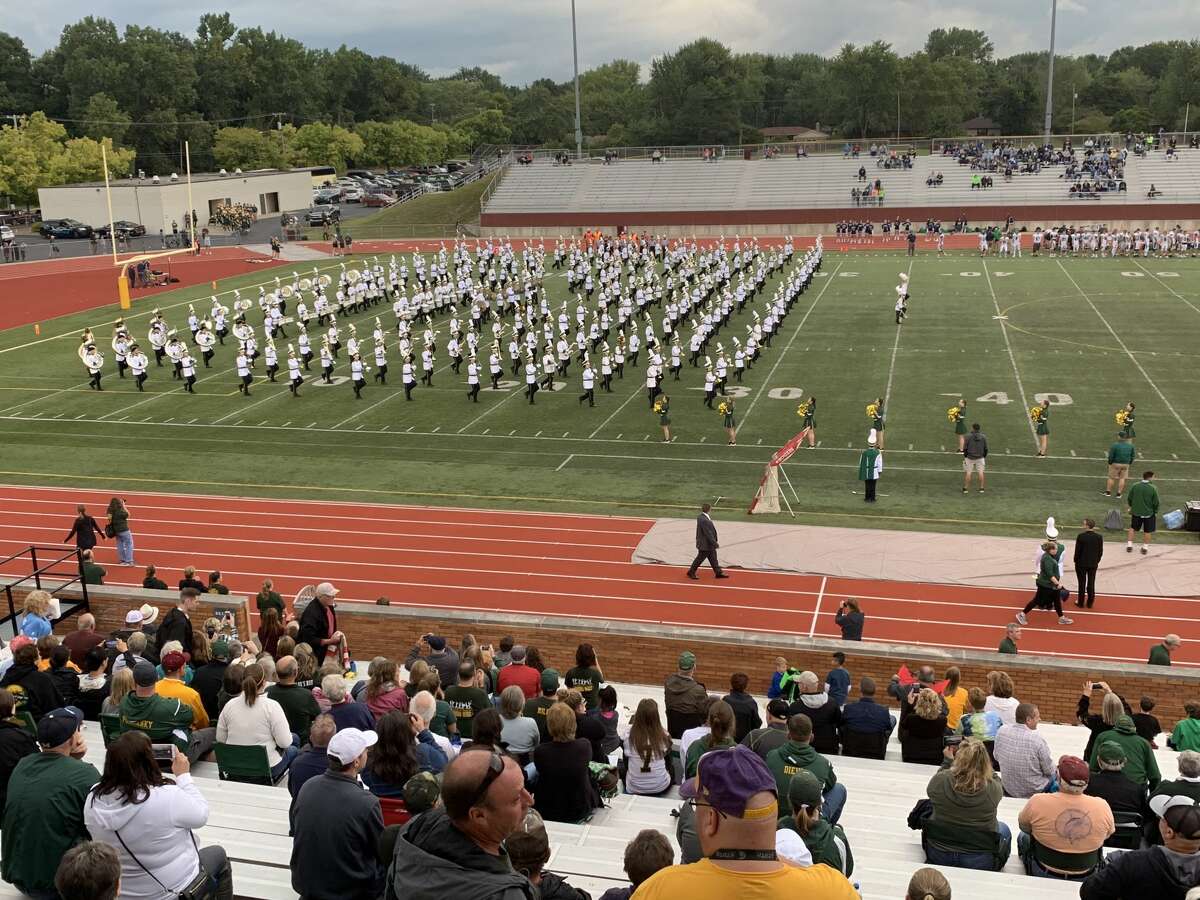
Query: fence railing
point(69, 557)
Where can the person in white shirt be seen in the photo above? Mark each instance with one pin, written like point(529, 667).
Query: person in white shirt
point(254, 719)
point(138, 364)
point(295, 379)
point(187, 366)
point(408, 377)
point(243, 371)
point(531, 379)
point(427, 364)
point(495, 367)
point(357, 376)
point(271, 355)
point(381, 364)
point(589, 384)
point(326, 361)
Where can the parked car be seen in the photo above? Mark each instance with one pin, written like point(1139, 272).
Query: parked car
point(65, 228)
point(124, 228)
point(323, 215)
point(376, 200)
point(352, 195)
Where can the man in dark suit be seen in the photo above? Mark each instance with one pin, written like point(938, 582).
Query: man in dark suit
point(706, 544)
point(1089, 549)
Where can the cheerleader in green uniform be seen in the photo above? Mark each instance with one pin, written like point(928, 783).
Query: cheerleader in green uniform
point(810, 423)
point(663, 407)
point(877, 422)
point(1043, 428)
point(729, 421)
point(960, 423)
point(1127, 426)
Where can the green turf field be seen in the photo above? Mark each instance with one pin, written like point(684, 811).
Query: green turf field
point(1092, 334)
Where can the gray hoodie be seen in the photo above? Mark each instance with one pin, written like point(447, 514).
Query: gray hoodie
point(436, 861)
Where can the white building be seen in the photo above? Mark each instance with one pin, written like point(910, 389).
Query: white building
point(157, 202)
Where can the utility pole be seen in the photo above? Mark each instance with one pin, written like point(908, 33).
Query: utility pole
point(575, 52)
point(1074, 97)
point(1050, 73)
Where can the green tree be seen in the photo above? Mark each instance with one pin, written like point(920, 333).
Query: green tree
point(694, 92)
point(486, 127)
point(960, 43)
point(248, 148)
point(36, 153)
point(317, 144)
point(103, 117)
point(865, 81)
point(17, 92)
point(401, 143)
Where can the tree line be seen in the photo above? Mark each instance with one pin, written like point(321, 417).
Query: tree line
point(244, 97)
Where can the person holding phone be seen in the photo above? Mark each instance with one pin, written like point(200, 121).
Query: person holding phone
point(150, 818)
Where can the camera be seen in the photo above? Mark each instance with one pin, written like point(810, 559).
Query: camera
point(163, 753)
point(952, 740)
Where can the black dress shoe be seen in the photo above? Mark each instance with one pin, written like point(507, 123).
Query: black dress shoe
point(722, 575)
point(693, 577)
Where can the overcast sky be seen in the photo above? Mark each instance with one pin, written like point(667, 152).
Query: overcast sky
point(521, 40)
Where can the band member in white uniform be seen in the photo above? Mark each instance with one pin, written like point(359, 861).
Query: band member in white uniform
point(187, 366)
point(531, 378)
point(408, 376)
point(326, 362)
point(95, 366)
point(473, 380)
point(306, 353)
point(243, 370)
point(120, 349)
point(380, 363)
point(589, 384)
point(357, 376)
point(271, 355)
point(495, 368)
point(137, 364)
point(427, 365)
point(295, 379)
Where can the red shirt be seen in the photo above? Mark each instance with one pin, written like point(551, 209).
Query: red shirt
point(527, 678)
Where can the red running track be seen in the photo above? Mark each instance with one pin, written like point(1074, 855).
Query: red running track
point(543, 563)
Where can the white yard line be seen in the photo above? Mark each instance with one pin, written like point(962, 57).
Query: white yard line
point(887, 394)
point(1132, 358)
point(392, 396)
point(1168, 287)
point(514, 392)
point(612, 415)
point(1011, 357)
point(821, 593)
point(564, 462)
point(767, 381)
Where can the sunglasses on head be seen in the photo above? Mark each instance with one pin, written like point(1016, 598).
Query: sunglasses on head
point(495, 770)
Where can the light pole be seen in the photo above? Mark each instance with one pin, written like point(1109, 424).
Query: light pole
point(1050, 74)
point(1074, 97)
point(575, 52)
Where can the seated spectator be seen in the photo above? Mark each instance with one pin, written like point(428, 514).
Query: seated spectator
point(485, 732)
point(399, 753)
point(774, 734)
point(90, 870)
point(93, 684)
point(152, 820)
point(1124, 797)
point(731, 791)
point(486, 673)
point(587, 727)
point(720, 734)
point(346, 713)
point(533, 658)
point(299, 706)
point(922, 728)
point(606, 714)
point(432, 650)
point(64, 674)
point(685, 698)
point(172, 687)
point(826, 843)
point(384, 691)
point(866, 725)
point(647, 752)
point(215, 585)
point(648, 852)
point(43, 814)
point(1047, 847)
point(336, 827)
point(312, 759)
point(927, 883)
point(824, 714)
point(1186, 734)
point(1188, 782)
point(1000, 697)
point(529, 850)
point(980, 722)
point(744, 706)
point(271, 630)
point(903, 683)
point(837, 682)
point(83, 638)
point(467, 699)
point(36, 621)
point(209, 678)
point(33, 690)
point(189, 580)
point(119, 687)
point(536, 707)
point(503, 655)
point(798, 754)
point(586, 676)
point(1024, 755)
point(425, 706)
point(1112, 707)
point(15, 742)
point(955, 697)
point(518, 732)
point(692, 735)
point(457, 850)
point(1161, 872)
point(1146, 723)
point(527, 678)
point(254, 719)
point(1140, 765)
point(962, 829)
point(422, 793)
point(564, 791)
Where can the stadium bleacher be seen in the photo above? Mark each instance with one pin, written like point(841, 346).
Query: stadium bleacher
point(251, 823)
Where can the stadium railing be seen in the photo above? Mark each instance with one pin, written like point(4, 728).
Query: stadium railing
point(58, 558)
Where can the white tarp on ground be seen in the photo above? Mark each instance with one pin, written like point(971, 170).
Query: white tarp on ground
point(1172, 570)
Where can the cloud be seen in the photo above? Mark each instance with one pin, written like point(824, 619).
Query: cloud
point(532, 39)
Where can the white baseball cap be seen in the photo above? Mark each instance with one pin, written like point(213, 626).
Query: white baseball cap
point(325, 589)
point(349, 743)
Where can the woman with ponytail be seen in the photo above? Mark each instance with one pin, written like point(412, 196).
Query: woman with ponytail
point(252, 718)
point(928, 884)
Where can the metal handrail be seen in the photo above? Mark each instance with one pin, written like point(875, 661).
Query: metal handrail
point(38, 571)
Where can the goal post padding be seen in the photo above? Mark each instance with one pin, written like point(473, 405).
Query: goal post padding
point(766, 498)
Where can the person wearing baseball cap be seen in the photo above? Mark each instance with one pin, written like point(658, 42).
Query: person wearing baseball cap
point(171, 685)
point(336, 825)
point(1062, 833)
point(1124, 797)
point(43, 816)
point(824, 842)
point(536, 707)
point(1164, 873)
point(444, 660)
point(318, 624)
point(734, 802)
point(774, 734)
point(685, 698)
point(165, 719)
point(1141, 766)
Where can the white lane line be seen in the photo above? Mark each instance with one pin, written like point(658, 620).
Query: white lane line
point(1132, 358)
point(817, 608)
point(1011, 357)
point(887, 393)
point(1168, 287)
point(564, 462)
point(491, 409)
point(242, 411)
point(771, 374)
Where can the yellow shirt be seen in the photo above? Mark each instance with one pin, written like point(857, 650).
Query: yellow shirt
point(177, 690)
point(957, 704)
point(707, 881)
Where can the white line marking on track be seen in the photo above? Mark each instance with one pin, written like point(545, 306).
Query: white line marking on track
point(817, 607)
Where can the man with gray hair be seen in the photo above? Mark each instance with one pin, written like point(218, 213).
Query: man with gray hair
point(1160, 654)
point(824, 713)
point(347, 713)
point(318, 625)
point(424, 706)
point(83, 639)
point(299, 705)
point(312, 759)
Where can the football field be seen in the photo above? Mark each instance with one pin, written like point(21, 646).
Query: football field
point(1088, 334)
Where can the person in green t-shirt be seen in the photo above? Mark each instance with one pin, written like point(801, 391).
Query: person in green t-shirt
point(1160, 654)
point(586, 677)
point(267, 597)
point(1143, 511)
point(93, 573)
point(466, 699)
point(1120, 457)
point(1012, 634)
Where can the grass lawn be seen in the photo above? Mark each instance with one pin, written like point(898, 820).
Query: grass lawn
point(1090, 334)
point(440, 211)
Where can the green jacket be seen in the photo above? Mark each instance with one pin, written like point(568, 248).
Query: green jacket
point(1048, 570)
point(1143, 499)
point(1122, 452)
point(1007, 646)
point(1159, 656)
point(1140, 765)
point(93, 573)
point(43, 817)
point(825, 842)
point(162, 718)
point(1186, 735)
point(866, 464)
point(786, 761)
